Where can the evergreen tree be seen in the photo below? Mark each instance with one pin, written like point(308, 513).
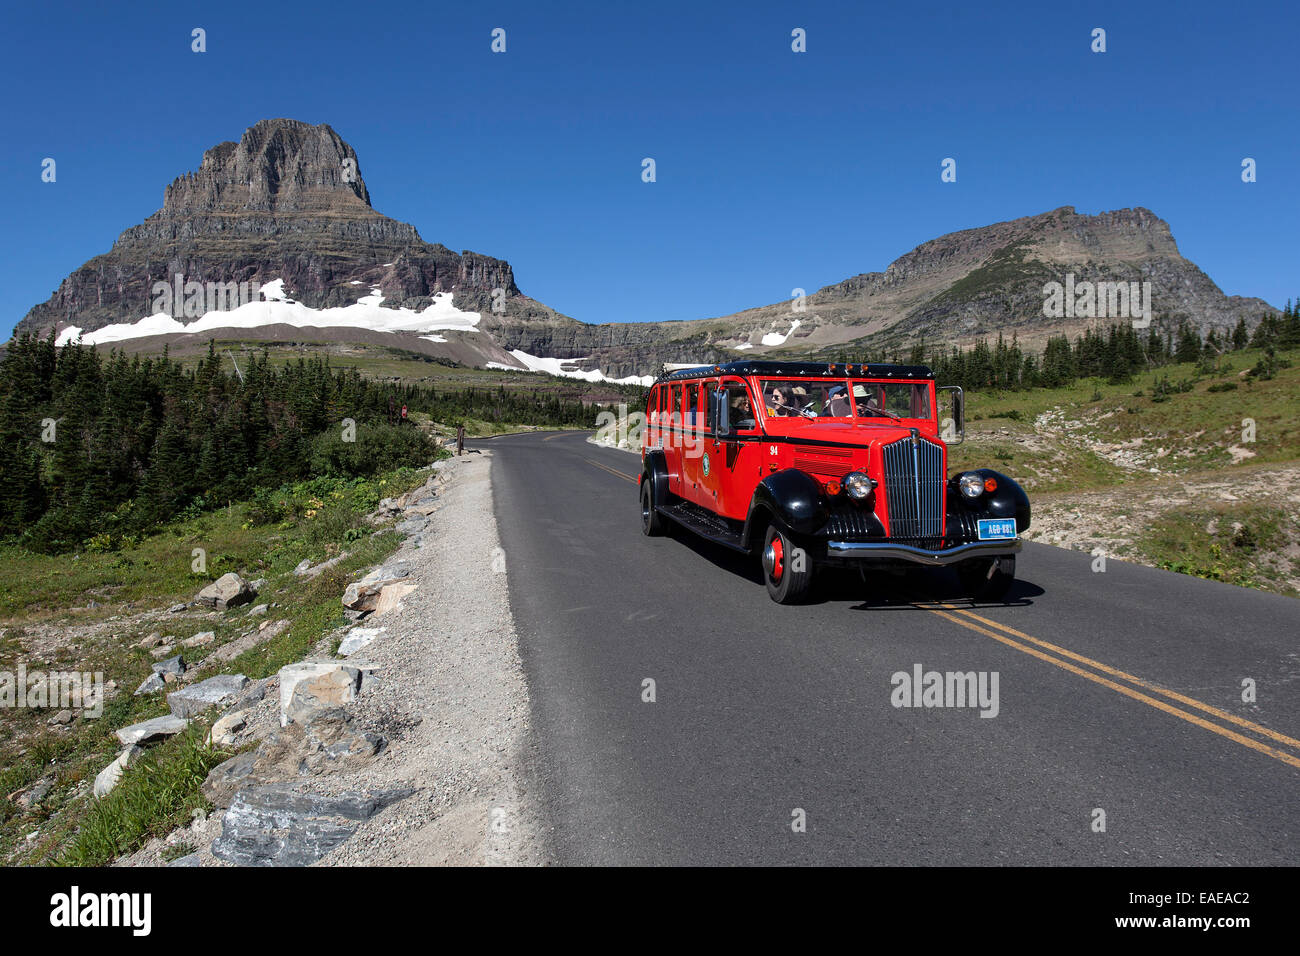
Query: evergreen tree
point(1189, 344)
point(1240, 337)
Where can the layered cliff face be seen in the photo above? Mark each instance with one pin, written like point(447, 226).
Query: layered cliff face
point(287, 201)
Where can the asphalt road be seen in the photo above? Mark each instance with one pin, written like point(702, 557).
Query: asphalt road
point(1118, 692)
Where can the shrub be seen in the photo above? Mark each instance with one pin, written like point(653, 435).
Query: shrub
point(269, 506)
point(378, 448)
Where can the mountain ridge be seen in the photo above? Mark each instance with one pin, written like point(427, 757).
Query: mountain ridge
point(288, 202)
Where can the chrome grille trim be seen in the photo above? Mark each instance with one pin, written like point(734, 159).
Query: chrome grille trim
point(914, 488)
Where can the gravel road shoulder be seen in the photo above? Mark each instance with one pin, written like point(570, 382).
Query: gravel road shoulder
point(452, 700)
point(446, 692)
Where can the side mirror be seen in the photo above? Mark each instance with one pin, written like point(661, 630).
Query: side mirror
point(719, 413)
point(953, 431)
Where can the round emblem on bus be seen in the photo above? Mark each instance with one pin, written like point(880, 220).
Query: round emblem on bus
point(706, 464)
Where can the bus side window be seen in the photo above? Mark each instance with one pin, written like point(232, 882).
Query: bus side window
point(677, 404)
point(688, 405)
point(740, 406)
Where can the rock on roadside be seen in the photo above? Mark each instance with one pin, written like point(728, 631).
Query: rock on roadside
point(226, 730)
point(358, 638)
point(309, 687)
point(274, 826)
point(108, 777)
point(213, 692)
point(229, 590)
point(148, 731)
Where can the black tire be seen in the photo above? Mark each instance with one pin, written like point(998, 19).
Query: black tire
point(987, 579)
point(652, 522)
point(787, 568)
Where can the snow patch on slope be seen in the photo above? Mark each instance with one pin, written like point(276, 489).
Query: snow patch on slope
point(776, 338)
point(276, 308)
point(566, 368)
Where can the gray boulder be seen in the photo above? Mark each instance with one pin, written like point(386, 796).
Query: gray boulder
point(229, 590)
point(201, 639)
point(172, 665)
point(357, 638)
point(275, 826)
point(110, 775)
point(412, 525)
point(225, 732)
point(309, 687)
point(255, 692)
point(387, 573)
point(331, 742)
point(152, 685)
point(148, 731)
point(229, 777)
point(360, 597)
point(214, 692)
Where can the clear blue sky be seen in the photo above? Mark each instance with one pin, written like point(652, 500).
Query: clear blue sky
point(775, 169)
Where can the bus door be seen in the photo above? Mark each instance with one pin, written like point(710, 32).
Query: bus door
point(732, 463)
point(694, 412)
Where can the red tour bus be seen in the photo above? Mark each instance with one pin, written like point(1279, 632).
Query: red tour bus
point(810, 465)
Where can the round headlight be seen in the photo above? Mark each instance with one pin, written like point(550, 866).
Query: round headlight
point(858, 485)
point(971, 484)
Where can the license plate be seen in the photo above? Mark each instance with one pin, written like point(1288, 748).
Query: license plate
point(995, 528)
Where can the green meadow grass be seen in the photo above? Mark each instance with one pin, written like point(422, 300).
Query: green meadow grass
point(314, 520)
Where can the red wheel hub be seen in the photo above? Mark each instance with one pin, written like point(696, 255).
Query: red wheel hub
point(777, 560)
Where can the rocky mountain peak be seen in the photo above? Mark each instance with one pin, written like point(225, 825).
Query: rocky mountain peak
point(279, 166)
point(286, 202)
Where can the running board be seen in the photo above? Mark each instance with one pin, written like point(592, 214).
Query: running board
point(705, 524)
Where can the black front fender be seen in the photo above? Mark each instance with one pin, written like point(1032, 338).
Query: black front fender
point(1008, 501)
point(793, 498)
point(654, 468)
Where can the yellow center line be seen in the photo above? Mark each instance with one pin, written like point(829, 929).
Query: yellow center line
point(1144, 684)
point(612, 471)
point(553, 437)
point(1126, 691)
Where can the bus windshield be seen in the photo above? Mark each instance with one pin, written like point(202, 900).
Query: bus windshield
point(807, 398)
point(823, 398)
point(891, 399)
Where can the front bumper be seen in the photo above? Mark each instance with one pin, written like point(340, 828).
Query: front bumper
point(889, 551)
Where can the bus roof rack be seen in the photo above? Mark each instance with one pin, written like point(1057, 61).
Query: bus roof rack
point(808, 369)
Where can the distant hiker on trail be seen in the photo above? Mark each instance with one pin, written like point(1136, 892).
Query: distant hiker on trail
point(403, 413)
point(460, 439)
